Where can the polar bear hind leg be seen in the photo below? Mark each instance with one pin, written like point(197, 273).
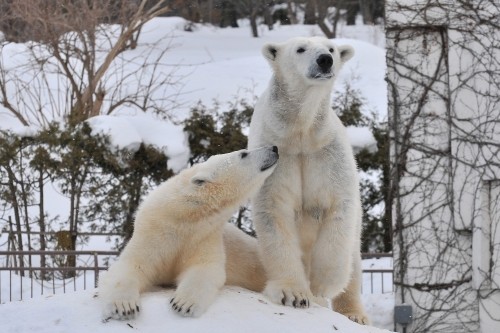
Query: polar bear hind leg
point(348, 302)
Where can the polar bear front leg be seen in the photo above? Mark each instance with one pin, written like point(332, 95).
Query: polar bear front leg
point(331, 260)
point(119, 290)
point(280, 253)
point(197, 288)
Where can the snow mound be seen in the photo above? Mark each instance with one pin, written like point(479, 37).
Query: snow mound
point(361, 138)
point(235, 310)
point(129, 131)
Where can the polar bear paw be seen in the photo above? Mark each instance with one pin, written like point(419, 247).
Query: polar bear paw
point(122, 309)
point(359, 318)
point(188, 305)
point(288, 294)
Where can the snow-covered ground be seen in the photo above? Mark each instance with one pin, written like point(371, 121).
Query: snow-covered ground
point(377, 290)
point(215, 65)
point(235, 310)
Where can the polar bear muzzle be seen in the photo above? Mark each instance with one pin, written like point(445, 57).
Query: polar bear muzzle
point(271, 159)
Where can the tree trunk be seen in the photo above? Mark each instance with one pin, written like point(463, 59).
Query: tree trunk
point(335, 22)
point(386, 188)
point(366, 11)
point(71, 260)
point(292, 15)
point(17, 216)
point(253, 23)
point(41, 223)
point(352, 11)
point(228, 16)
point(322, 10)
point(133, 205)
point(24, 201)
point(310, 12)
point(322, 25)
point(268, 17)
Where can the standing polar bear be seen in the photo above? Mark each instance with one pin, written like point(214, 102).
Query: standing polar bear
point(308, 213)
point(178, 234)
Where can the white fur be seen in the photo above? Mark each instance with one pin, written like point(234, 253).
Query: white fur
point(177, 235)
point(308, 213)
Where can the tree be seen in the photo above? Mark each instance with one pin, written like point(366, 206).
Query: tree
point(72, 57)
point(72, 154)
point(211, 132)
point(125, 177)
point(377, 228)
point(328, 13)
point(102, 187)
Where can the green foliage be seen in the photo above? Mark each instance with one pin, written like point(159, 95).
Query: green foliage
point(281, 15)
point(103, 185)
point(126, 177)
point(349, 107)
point(213, 132)
point(377, 230)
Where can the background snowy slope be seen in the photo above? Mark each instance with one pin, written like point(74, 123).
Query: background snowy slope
point(223, 65)
point(235, 310)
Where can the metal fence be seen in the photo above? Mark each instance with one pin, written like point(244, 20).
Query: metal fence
point(377, 280)
point(18, 283)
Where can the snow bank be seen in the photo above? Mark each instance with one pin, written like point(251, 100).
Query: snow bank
point(129, 131)
point(361, 137)
point(235, 310)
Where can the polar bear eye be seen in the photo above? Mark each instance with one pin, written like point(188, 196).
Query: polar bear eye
point(331, 50)
point(198, 181)
point(244, 154)
point(301, 50)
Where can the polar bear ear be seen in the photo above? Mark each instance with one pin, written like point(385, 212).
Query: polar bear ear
point(270, 51)
point(346, 52)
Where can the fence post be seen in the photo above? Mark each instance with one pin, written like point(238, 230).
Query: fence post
point(96, 269)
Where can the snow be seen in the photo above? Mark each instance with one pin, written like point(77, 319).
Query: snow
point(219, 65)
point(377, 296)
point(129, 131)
point(213, 65)
point(224, 65)
point(361, 137)
point(235, 310)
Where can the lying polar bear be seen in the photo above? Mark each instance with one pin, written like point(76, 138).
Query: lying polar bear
point(178, 234)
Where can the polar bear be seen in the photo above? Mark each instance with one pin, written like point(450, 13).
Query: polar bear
point(178, 234)
point(308, 213)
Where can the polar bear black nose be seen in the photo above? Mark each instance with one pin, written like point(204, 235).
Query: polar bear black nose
point(325, 62)
point(275, 149)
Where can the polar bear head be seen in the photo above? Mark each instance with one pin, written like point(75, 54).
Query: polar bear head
point(313, 60)
point(223, 182)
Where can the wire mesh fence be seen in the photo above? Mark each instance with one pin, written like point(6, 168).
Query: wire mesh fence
point(25, 282)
